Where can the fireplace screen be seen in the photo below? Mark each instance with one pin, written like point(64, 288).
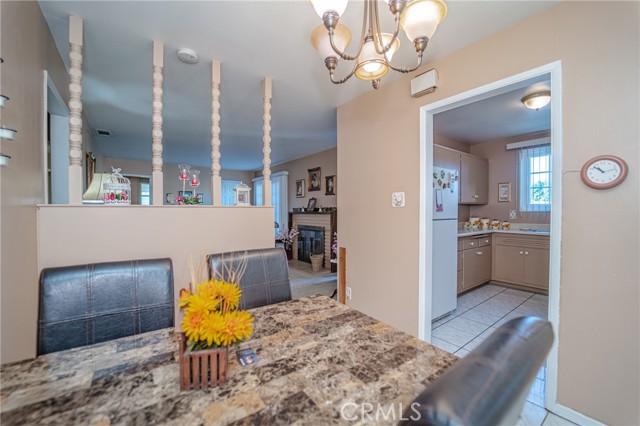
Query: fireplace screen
point(310, 241)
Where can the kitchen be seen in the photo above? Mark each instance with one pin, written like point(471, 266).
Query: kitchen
point(491, 216)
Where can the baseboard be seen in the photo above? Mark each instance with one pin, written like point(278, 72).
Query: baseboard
point(573, 415)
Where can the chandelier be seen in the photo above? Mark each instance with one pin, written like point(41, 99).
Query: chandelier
point(418, 18)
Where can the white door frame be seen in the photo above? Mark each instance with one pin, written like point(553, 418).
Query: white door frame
point(47, 83)
point(426, 214)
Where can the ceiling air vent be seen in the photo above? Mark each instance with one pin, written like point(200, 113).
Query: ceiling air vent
point(103, 132)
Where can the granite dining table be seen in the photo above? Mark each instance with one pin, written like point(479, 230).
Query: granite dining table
point(320, 363)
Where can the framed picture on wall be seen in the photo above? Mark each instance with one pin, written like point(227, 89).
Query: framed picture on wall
point(504, 192)
point(314, 179)
point(200, 198)
point(330, 187)
point(312, 204)
point(185, 193)
point(300, 188)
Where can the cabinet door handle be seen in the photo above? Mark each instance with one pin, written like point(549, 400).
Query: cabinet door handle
point(476, 196)
point(479, 252)
point(472, 244)
point(526, 252)
point(486, 241)
point(521, 252)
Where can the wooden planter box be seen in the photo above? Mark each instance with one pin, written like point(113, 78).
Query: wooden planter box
point(202, 369)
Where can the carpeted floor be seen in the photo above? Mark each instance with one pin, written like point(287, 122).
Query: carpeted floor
point(304, 282)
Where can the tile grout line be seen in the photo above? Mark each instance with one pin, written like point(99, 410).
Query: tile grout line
point(545, 415)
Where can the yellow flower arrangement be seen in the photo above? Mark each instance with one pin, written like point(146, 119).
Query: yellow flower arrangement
point(212, 318)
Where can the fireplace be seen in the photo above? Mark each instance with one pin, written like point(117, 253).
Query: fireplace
point(310, 241)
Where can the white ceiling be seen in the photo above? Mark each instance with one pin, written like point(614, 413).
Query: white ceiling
point(251, 39)
point(500, 116)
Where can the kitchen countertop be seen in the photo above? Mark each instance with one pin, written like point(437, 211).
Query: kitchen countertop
point(464, 233)
point(315, 355)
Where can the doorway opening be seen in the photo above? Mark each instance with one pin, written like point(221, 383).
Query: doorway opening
point(430, 203)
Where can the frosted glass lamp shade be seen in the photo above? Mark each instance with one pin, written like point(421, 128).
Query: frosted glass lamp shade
point(371, 64)
point(422, 17)
point(320, 40)
point(537, 100)
point(323, 6)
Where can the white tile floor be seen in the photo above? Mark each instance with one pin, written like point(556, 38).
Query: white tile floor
point(478, 315)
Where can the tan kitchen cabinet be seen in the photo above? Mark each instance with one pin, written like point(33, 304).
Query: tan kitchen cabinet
point(474, 266)
point(522, 260)
point(474, 180)
point(473, 173)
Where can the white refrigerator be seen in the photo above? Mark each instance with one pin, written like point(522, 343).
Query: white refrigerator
point(445, 242)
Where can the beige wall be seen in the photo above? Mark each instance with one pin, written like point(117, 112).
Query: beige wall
point(170, 175)
point(148, 232)
point(503, 167)
point(298, 169)
point(599, 372)
point(27, 49)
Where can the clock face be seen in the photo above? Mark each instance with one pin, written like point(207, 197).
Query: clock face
point(604, 172)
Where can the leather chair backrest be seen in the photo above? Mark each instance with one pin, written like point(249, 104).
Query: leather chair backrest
point(265, 280)
point(86, 304)
point(489, 385)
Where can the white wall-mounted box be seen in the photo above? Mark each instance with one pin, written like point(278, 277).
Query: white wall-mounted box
point(426, 82)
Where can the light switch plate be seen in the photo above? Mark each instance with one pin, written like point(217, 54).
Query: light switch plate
point(512, 214)
point(397, 199)
point(348, 293)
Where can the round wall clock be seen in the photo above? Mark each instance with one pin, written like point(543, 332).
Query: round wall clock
point(604, 172)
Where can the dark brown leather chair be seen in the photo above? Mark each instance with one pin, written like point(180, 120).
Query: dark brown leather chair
point(488, 386)
point(265, 280)
point(86, 304)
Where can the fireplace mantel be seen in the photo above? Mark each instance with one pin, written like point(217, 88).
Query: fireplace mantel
point(332, 212)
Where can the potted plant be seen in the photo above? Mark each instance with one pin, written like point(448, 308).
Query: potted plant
point(287, 239)
point(186, 199)
point(212, 323)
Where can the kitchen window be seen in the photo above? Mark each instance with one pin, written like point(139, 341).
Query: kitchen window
point(535, 178)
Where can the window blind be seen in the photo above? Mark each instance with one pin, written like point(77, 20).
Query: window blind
point(535, 179)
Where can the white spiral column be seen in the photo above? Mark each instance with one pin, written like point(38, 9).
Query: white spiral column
point(266, 139)
point(216, 179)
point(156, 120)
point(75, 110)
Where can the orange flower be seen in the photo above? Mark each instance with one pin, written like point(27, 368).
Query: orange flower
point(192, 325)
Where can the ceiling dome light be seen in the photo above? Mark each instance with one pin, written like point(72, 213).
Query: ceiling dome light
point(537, 100)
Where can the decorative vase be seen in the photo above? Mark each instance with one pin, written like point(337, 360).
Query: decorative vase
point(202, 369)
point(289, 253)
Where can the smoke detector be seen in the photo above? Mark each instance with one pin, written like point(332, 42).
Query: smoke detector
point(103, 132)
point(188, 56)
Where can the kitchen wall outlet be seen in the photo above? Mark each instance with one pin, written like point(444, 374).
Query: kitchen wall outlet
point(348, 293)
point(397, 199)
point(512, 214)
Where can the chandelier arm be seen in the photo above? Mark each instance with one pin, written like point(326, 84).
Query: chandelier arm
point(345, 55)
point(405, 69)
point(381, 49)
point(343, 79)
